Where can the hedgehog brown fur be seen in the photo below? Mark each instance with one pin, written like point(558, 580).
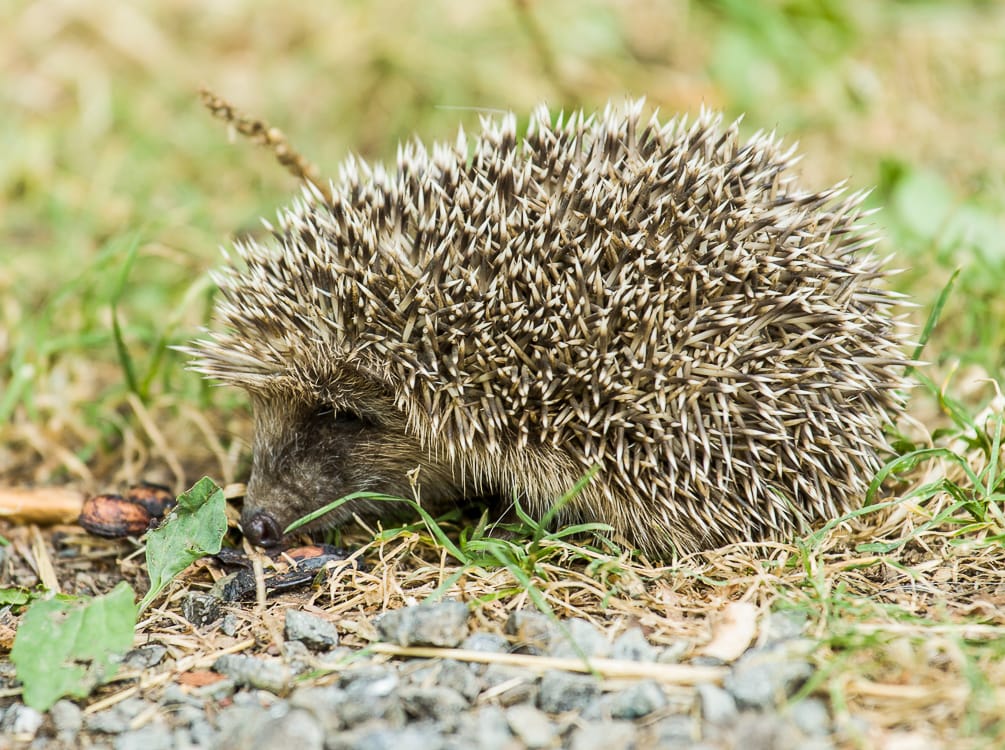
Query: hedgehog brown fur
point(660, 300)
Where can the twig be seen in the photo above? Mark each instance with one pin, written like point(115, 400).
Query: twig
point(260, 132)
point(41, 505)
point(673, 674)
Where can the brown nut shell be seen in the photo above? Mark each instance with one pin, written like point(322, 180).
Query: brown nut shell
point(113, 516)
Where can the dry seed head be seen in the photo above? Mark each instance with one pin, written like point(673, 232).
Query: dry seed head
point(660, 299)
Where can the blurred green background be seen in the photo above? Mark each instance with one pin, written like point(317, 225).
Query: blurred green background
point(117, 188)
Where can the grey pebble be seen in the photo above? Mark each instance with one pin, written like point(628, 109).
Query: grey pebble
point(230, 624)
point(674, 731)
point(783, 626)
point(442, 704)
point(296, 729)
point(376, 736)
point(633, 702)
point(532, 726)
point(451, 673)
point(764, 678)
point(317, 633)
point(240, 723)
point(717, 705)
point(145, 657)
point(67, 719)
point(201, 735)
point(492, 643)
point(521, 684)
point(175, 695)
point(674, 651)
point(443, 624)
point(633, 646)
point(562, 691)
point(201, 609)
point(811, 716)
point(215, 691)
point(116, 720)
point(768, 731)
point(154, 736)
point(324, 702)
point(21, 722)
point(298, 657)
point(604, 735)
point(265, 674)
point(530, 630)
point(485, 728)
point(577, 638)
point(374, 696)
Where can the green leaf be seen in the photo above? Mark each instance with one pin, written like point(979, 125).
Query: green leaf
point(14, 596)
point(194, 529)
point(68, 646)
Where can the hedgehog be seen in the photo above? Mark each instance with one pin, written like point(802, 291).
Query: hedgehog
point(656, 302)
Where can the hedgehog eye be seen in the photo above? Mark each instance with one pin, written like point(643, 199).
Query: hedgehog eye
point(344, 417)
point(348, 417)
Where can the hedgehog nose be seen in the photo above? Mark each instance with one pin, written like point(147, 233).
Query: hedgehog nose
point(262, 529)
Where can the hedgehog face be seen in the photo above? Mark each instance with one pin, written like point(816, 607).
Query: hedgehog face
point(311, 455)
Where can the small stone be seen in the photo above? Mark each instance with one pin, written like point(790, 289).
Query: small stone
point(144, 657)
point(450, 673)
point(674, 651)
point(675, 731)
point(562, 691)
point(263, 674)
point(811, 716)
point(442, 704)
point(485, 728)
point(531, 631)
point(532, 726)
point(200, 609)
point(764, 678)
point(768, 731)
point(230, 624)
point(67, 719)
point(444, 624)
point(200, 734)
point(576, 639)
point(296, 728)
point(317, 633)
point(215, 691)
point(175, 695)
point(633, 646)
point(154, 736)
point(324, 702)
point(21, 722)
point(298, 657)
point(603, 735)
point(782, 626)
point(491, 643)
point(372, 696)
point(116, 719)
point(717, 706)
point(516, 684)
point(635, 701)
point(239, 725)
point(377, 736)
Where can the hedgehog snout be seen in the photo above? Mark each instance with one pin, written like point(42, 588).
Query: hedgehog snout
point(261, 528)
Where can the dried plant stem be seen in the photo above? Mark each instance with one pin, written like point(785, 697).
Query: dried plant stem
point(260, 132)
point(539, 43)
point(672, 674)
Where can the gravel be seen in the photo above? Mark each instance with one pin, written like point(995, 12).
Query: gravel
point(449, 704)
point(317, 633)
point(444, 624)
